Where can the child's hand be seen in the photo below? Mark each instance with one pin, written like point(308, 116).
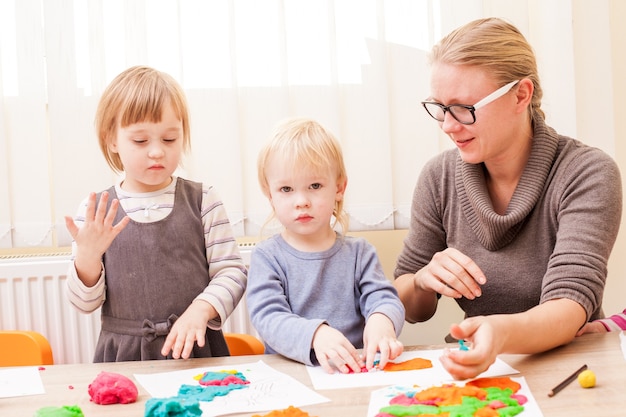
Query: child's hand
point(592, 327)
point(334, 351)
point(188, 329)
point(95, 236)
point(379, 336)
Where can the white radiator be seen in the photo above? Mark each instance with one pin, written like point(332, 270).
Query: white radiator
point(32, 297)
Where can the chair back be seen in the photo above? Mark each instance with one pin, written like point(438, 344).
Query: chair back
point(24, 348)
point(240, 344)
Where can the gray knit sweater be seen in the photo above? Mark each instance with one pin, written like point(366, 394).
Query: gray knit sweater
point(553, 241)
point(291, 293)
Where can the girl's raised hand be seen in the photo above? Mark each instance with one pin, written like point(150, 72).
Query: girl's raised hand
point(95, 236)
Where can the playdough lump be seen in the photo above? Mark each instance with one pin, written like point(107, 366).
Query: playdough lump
point(410, 365)
point(112, 388)
point(479, 398)
point(63, 411)
point(222, 378)
point(172, 407)
point(587, 379)
point(290, 411)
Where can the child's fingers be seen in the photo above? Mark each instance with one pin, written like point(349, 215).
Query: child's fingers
point(167, 346)
point(325, 364)
point(71, 227)
point(370, 355)
point(353, 364)
point(91, 207)
point(101, 211)
point(397, 347)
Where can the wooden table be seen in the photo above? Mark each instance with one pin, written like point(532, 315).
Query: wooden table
point(67, 384)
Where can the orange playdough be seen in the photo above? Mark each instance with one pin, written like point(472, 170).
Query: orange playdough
point(291, 411)
point(501, 383)
point(410, 365)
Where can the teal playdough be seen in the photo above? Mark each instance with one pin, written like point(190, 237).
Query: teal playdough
point(186, 403)
point(172, 407)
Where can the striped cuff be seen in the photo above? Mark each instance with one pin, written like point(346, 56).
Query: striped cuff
point(614, 323)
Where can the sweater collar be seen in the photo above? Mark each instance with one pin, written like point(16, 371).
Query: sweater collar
point(493, 230)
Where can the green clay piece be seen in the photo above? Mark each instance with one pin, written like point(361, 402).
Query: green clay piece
point(63, 411)
point(410, 410)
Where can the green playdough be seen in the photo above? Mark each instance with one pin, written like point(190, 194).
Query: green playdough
point(63, 411)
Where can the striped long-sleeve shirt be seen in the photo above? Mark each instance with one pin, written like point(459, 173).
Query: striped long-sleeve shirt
point(228, 278)
point(617, 322)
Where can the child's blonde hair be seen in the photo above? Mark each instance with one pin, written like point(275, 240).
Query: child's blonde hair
point(137, 95)
point(305, 144)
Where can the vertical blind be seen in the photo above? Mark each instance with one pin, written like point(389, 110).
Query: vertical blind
point(357, 66)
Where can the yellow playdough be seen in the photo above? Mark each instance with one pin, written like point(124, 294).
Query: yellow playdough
point(587, 379)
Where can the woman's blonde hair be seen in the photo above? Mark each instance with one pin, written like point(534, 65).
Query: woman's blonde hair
point(307, 145)
point(497, 46)
point(137, 95)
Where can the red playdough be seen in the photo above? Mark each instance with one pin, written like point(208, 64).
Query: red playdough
point(112, 388)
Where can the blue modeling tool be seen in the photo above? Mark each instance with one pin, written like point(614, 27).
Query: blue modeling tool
point(462, 345)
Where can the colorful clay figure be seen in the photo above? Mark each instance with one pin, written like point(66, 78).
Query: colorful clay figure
point(482, 397)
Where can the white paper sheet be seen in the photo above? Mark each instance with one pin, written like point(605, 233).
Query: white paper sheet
point(20, 381)
point(323, 380)
point(622, 342)
point(380, 398)
point(268, 389)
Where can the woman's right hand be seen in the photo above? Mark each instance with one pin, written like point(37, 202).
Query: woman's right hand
point(451, 273)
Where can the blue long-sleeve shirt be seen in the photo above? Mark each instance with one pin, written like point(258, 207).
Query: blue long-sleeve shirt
point(291, 293)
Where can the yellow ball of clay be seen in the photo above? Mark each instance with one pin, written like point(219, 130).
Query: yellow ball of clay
point(587, 379)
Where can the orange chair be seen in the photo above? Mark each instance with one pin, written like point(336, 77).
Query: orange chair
point(240, 344)
point(24, 348)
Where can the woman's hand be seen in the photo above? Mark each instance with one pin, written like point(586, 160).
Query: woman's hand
point(451, 273)
point(335, 352)
point(482, 337)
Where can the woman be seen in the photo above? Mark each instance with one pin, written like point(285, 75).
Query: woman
point(516, 223)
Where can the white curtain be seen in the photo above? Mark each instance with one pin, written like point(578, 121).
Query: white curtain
point(357, 66)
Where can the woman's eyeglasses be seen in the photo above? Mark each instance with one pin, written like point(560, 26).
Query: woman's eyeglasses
point(464, 113)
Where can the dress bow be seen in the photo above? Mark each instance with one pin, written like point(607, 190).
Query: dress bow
point(152, 330)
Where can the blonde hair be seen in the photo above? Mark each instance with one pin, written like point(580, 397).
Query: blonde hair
point(497, 46)
point(306, 144)
point(136, 95)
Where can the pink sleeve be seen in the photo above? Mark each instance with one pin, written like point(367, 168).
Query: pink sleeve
point(616, 322)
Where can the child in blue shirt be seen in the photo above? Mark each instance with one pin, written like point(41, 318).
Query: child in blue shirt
point(315, 295)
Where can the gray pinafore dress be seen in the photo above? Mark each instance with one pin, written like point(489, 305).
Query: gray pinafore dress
point(153, 273)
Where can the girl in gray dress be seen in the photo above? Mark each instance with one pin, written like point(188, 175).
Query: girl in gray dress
point(156, 251)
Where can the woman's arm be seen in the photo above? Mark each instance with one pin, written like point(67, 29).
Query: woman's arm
point(419, 305)
point(546, 326)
